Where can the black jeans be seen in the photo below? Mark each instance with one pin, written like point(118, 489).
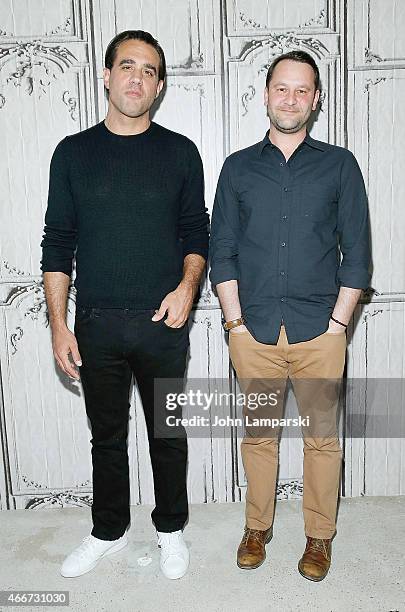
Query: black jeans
point(114, 345)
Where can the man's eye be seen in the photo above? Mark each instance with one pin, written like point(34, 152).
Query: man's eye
point(126, 67)
point(149, 72)
point(301, 91)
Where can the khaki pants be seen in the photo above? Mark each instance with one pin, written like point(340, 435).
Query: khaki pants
point(315, 369)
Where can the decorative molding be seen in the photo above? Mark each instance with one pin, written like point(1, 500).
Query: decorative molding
point(199, 87)
point(64, 28)
point(15, 338)
point(371, 82)
point(12, 269)
point(250, 23)
point(205, 297)
point(322, 99)
point(205, 321)
point(370, 314)
point(38, 485)
point(285, 40)
point(289, 489)
point(317, 20)
point(31, 57)
point(31, 483)
point(20, 291)
point(370, 57)
point(247, 22)
point(246, 98)
point(61, 500)
point(71, 103)
point(191, 63)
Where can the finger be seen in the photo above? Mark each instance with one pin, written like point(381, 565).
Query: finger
point(176, 323)
point(68, 367)
point(160, 313)
point(76, 355)
point(172, 318)
point(60, 364)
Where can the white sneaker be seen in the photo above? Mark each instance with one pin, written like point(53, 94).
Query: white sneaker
point(174, 555)
point(86, 556)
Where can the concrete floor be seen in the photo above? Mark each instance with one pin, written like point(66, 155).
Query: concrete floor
point(367, 572)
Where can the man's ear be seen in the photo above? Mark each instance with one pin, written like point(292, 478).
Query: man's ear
point(316, 99)
point(106, 77)
point(266, 96)
point(159, 88)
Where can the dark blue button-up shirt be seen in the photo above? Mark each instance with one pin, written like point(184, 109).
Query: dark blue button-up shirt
point(291, 233)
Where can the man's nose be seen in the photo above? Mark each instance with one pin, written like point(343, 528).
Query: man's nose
point(136, 76)
point(291, 98)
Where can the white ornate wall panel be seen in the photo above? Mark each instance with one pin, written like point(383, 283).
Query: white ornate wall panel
point(375, 130)
point(375, 463)
point(376, 31)
point(253, 17)
point(376, 136)
point(45, 420)
point(51, 61)
point(188, 30)
point(46, 92)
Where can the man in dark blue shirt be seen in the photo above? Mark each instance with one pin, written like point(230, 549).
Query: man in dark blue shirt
point(289, 257)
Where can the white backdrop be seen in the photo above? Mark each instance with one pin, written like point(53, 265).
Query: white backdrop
point(51, 60)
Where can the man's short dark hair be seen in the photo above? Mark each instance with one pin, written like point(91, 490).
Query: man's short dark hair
point(295, 56)
point(111, 52)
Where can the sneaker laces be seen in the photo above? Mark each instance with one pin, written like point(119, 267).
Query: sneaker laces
point(83, 548)
point(170, 542)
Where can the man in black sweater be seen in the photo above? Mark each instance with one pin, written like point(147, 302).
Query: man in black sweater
point(126, 199)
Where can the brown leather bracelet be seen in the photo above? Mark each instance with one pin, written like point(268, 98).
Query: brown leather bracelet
point(231, 324)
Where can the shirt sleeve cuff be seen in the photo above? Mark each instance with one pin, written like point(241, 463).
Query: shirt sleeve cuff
point(354, 280)
point(223, 274)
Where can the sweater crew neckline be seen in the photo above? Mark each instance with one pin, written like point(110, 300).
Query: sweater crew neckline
point(127, 138)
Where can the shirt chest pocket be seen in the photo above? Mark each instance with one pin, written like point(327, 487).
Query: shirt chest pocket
point(316, 201)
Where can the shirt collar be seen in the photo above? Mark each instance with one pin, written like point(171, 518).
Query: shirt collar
point(311, 142)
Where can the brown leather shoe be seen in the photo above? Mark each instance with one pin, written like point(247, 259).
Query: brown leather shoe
point(251, 551)
point(315, 562)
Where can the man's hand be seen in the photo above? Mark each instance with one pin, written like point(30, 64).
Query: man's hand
point(177, 304)
point(64, 343)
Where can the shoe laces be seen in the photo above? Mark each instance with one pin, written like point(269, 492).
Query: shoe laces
point(170, 542)
point(255, 534)
point(83, 549)
point(318, 544)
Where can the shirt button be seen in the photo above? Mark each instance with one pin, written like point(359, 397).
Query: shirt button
point(285, 188)
point(282, 273)
point(283, 244)
point(284, 217)
point(281, 164)
point(283, 299)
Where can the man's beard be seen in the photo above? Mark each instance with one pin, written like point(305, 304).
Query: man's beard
point(292, 129)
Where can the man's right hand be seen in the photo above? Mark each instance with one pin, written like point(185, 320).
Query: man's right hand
point(64, 343)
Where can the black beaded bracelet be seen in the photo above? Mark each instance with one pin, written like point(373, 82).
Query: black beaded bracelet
point(340, 322)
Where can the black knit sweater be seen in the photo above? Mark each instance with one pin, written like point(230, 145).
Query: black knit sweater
point(129, 208)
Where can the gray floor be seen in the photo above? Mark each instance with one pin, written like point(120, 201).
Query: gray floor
point(367, 572)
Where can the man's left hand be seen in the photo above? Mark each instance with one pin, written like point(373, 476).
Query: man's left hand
point(177, 304)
